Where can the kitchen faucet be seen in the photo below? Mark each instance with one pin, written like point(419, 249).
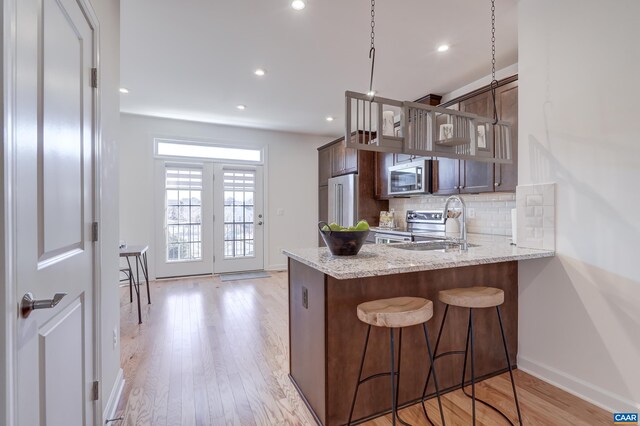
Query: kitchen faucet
point(463, 226)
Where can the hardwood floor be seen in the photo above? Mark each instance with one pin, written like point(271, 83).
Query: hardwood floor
point(213, 353)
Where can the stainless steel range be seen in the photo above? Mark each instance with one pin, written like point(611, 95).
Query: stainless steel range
point(422, 225)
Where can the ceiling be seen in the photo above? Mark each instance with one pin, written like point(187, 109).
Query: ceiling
point(194, 59)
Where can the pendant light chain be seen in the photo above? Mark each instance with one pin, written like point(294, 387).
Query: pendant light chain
point(372, 50)
point(494, 82)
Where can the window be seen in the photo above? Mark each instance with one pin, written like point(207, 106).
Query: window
point(239, 192)
point(213, 152)
point(183, 190)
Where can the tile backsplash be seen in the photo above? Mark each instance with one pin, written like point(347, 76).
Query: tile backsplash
point(486, 213)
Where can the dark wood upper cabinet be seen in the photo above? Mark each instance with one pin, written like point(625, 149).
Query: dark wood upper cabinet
point(350, 160)
point(458, 176)
point(477, 176)
point(506, 175)
point(446, 176)
point(324, 166)
point(338, 158)
point(343, 160)
point(384, 160)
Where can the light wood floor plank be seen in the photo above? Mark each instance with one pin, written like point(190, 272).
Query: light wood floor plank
point(213, 353)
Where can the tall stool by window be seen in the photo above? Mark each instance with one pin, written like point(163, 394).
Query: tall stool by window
point(473, 298)
point(398, 312)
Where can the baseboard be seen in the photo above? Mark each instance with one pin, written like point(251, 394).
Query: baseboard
point(114, 398)
point(276, 267)
point(596, 395)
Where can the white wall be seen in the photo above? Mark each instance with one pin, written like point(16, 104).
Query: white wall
point(579, 127)
point(291, 176)
point(108, 12)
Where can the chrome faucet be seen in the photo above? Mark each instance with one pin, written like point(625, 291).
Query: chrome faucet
point(464, 245)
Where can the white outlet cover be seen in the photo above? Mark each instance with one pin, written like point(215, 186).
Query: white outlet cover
point(280, 212)
point(471, 213)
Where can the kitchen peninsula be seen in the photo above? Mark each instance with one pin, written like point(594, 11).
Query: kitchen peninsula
point(326, 337)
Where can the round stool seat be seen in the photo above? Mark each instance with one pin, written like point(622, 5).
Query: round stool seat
point(472, 297)
point(396, 312)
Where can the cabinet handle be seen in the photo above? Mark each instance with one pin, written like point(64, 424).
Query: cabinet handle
point(496, 184)
point(456, 187)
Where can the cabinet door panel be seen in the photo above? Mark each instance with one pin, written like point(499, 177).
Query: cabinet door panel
point(324, 166)
point(350, 160)
point(384, 160)
point(446, 176)
point(506, 175)
point(477, 176)
point(338, 158)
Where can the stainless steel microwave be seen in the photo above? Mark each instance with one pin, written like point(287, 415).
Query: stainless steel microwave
point(410, 178)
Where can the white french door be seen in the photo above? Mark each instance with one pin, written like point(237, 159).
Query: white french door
point(183, 219)
point(238, 218)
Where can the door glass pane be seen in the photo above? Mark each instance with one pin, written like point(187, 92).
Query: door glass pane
point(183, 193)
point(228, 214)
point(239, 192)
point(196, 198)
point(238, 214)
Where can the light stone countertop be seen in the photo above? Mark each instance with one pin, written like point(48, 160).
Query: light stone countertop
point(382, 259)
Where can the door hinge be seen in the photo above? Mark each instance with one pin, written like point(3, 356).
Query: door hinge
point(94, 77)
point(95, 390)
point(94, 231)
point(214, 258)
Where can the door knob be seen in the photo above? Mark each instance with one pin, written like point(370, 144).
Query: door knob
point(29, 304)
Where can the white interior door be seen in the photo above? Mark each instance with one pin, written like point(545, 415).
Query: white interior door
point(238, 218)
point(54, 212)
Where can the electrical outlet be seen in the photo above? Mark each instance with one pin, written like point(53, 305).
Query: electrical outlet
point(280, 212)
point(305, 297)
point(471, 213)
point(115, 337)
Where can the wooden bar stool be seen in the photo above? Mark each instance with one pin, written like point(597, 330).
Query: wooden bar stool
point(473, 298)
point(398, 312)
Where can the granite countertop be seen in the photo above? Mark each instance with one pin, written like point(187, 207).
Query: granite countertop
point(382, 259)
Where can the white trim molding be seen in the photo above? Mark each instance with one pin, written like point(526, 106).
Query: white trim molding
point(276, 267)
point(589, 392)
point(114, 398)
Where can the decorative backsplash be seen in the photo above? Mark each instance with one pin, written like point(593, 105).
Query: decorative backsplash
point(486, 213)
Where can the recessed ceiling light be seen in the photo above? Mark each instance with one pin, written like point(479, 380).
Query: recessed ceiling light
point(329, 118)
point(260, 72)
point(241, 107)
point(124, 90)
point(443, 48)
point(298, 4)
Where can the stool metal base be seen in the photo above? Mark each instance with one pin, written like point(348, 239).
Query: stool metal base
point(469, 342)
point(395, 376)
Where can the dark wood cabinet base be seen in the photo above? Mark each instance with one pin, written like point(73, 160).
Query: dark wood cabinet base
point(326, 337)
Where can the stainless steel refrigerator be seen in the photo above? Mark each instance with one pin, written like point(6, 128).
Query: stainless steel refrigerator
point(343, 202)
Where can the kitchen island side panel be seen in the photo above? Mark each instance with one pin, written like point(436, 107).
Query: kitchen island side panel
point(346, 335)
point(307, 335)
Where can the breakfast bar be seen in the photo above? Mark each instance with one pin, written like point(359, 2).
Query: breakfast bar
point(326, 337)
